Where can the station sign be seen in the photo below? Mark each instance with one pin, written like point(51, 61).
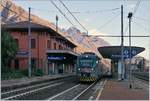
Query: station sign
point(56, 57)
point(22, 53)
point(126, 54)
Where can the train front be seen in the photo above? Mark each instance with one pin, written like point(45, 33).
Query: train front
point(85, 68)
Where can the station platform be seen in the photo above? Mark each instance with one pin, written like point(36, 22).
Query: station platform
point(119, 90)
point(21, 82)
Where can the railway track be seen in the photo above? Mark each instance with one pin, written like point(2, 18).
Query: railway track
point(77, 92)
point(142, 76)
point(25, 91)
point(66, 89)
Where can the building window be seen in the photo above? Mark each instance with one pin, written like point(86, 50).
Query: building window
point(48, 44)
point(23, 33)
point(16, 64)
point(54, 45)
point(17, 42)
point(33, 43)
point(60, 47)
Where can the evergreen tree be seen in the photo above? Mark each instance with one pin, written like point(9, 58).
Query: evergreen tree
point(9, 49)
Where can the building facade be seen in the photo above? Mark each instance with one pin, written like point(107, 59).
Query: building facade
point(50, 51)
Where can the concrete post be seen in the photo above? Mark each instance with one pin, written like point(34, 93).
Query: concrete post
point(119, 70)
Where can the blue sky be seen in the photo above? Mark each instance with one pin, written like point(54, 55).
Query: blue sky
point(93, 14)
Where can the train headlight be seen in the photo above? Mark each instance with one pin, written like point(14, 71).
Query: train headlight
point(97, 62)
point(78, 68)
point(92, 69)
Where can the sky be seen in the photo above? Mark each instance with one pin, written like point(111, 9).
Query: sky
point(99, 17)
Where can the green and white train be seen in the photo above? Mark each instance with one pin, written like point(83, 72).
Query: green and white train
point(90, 68)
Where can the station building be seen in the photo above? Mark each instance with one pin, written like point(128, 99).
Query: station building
point(50, 50)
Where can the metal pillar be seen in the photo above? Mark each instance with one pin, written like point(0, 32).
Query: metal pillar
point(130, 74)
point(122, 48)
point(29, 45)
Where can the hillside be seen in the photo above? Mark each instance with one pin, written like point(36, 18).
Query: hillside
point(13, 13)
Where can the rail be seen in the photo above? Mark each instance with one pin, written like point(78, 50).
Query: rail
point(141, 75)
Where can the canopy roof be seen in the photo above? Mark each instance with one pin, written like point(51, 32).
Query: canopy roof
point(114, 52)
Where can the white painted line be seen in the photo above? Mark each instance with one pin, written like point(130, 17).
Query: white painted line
point(91, 97)
point(63, 92)
point(25, 88)
point(82, 92)
point(32, 91)
point(99, 94)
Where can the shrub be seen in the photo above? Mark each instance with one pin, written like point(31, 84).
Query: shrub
point(12, 74)
point(39, 72)
point(25, 72)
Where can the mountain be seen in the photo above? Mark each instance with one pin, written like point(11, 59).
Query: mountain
point(11, 13)
point(89, 42)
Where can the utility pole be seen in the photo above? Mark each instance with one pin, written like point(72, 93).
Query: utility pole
point(130, 16)
point(56, 23)
point(29, 44)
point(122, 48)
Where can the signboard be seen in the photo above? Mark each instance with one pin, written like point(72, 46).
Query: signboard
point(126, 54)
point(56, 57)
point(119, 56)
point(22, 53)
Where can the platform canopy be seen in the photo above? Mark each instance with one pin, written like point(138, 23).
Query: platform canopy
point(114, 52)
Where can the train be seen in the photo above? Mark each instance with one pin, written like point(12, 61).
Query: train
point(90, 67)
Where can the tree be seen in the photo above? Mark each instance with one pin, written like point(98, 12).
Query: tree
point(9, 49)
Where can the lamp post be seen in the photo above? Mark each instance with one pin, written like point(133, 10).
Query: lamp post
point(130, 16)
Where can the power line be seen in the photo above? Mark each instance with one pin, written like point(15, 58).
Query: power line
point(109, 21)
point(77, 21)
point(136, 7)
point(142, 19)
point(120, 36)
point(141, 26)
point(62, 13)
point(73, 16)
point(80, 12)
point(134, 11)
point(96, 11)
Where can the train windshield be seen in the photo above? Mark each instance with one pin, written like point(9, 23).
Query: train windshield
point(84, 62)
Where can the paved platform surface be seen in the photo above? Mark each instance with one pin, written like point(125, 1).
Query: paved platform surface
point(15, 83)
point(119, 90)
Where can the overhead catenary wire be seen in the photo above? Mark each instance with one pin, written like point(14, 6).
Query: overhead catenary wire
point(134, 11)
point(80, 12)
point(109, 21)
point(142, 19)
point(140, 26)
point(62, 13)
point(119, 36)
point(93, 45)
point(73, 16)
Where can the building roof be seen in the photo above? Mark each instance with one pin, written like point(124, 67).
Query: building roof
point(114, 52)
point(23, 25)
